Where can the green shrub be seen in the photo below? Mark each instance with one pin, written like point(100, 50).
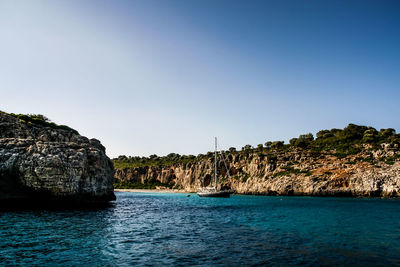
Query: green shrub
point(268, 144)
point(247, 148)
point(324, 134)
point(244, 178)
point(277, 144)
point(385, 133)
point(260, 147)
point(39, 119)
point(353, 132)
point(137, 185)
point(370, 136)
point(391, 160)
point(341, 143)
point(290, 170)
point(303, 141)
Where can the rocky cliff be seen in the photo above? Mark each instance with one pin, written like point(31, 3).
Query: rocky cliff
point(374, 171)
point(47, 162)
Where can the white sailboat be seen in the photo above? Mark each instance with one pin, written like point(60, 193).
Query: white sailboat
point(212, 191)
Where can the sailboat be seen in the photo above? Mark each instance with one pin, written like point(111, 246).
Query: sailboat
point(212, 191)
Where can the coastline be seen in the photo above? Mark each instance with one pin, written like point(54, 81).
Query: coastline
point(277, 195)
point(150, 190)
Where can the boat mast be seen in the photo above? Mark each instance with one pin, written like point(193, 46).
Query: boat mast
point(215, 163)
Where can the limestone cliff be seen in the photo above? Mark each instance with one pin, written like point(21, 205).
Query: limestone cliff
point(371, 172)
point(38, 162)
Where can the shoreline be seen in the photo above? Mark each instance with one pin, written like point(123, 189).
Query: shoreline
point(282, 195)
point(150, 190)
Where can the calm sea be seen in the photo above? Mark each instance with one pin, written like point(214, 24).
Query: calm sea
point(173, 229)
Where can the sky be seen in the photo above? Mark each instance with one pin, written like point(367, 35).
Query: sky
point(160, 76)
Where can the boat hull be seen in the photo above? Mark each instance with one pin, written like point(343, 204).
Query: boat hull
point(223, 194)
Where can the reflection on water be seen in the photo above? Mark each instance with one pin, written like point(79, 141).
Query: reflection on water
point(172, 229)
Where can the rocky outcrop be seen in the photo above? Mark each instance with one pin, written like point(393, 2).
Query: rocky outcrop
point(39, 163)
point(372, 172)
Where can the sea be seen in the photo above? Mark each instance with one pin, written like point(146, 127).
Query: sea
point(171, 229)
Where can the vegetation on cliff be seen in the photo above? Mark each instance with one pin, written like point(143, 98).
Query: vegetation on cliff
point(138, 185)
point(41, 120)
point(334, 155)
point(339, 142)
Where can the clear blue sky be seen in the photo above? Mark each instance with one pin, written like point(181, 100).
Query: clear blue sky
point(154, 77)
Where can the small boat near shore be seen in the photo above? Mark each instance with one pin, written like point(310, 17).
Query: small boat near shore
point(213, 191)
point(223, 193)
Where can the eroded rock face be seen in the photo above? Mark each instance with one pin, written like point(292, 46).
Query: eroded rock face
point(295, 172)
point(38, 162)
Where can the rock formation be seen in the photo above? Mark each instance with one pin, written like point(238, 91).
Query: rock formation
point(47, 164)
point(296, 171)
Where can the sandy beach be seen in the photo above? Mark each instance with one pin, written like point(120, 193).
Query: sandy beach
point(150, 190)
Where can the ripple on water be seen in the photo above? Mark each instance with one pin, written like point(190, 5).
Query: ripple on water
point(171, 229)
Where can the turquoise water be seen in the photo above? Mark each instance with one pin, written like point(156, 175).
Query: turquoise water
point(172, 229)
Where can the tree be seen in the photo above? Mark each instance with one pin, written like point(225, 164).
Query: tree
point(370, 135)
point(309, 137)
point(260, 147)
point(304, 140)
point(277, 144)
point(122, 158)
point(336, 132)
point(293, 141)
point(232, 149)
point(395, 139)
point(39, 117)
point(385, 133)
point(247, 147)
point(353, 132)
point(268, 144)
point(324, 134)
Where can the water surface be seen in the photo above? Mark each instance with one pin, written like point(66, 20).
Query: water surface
point(173, 229)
